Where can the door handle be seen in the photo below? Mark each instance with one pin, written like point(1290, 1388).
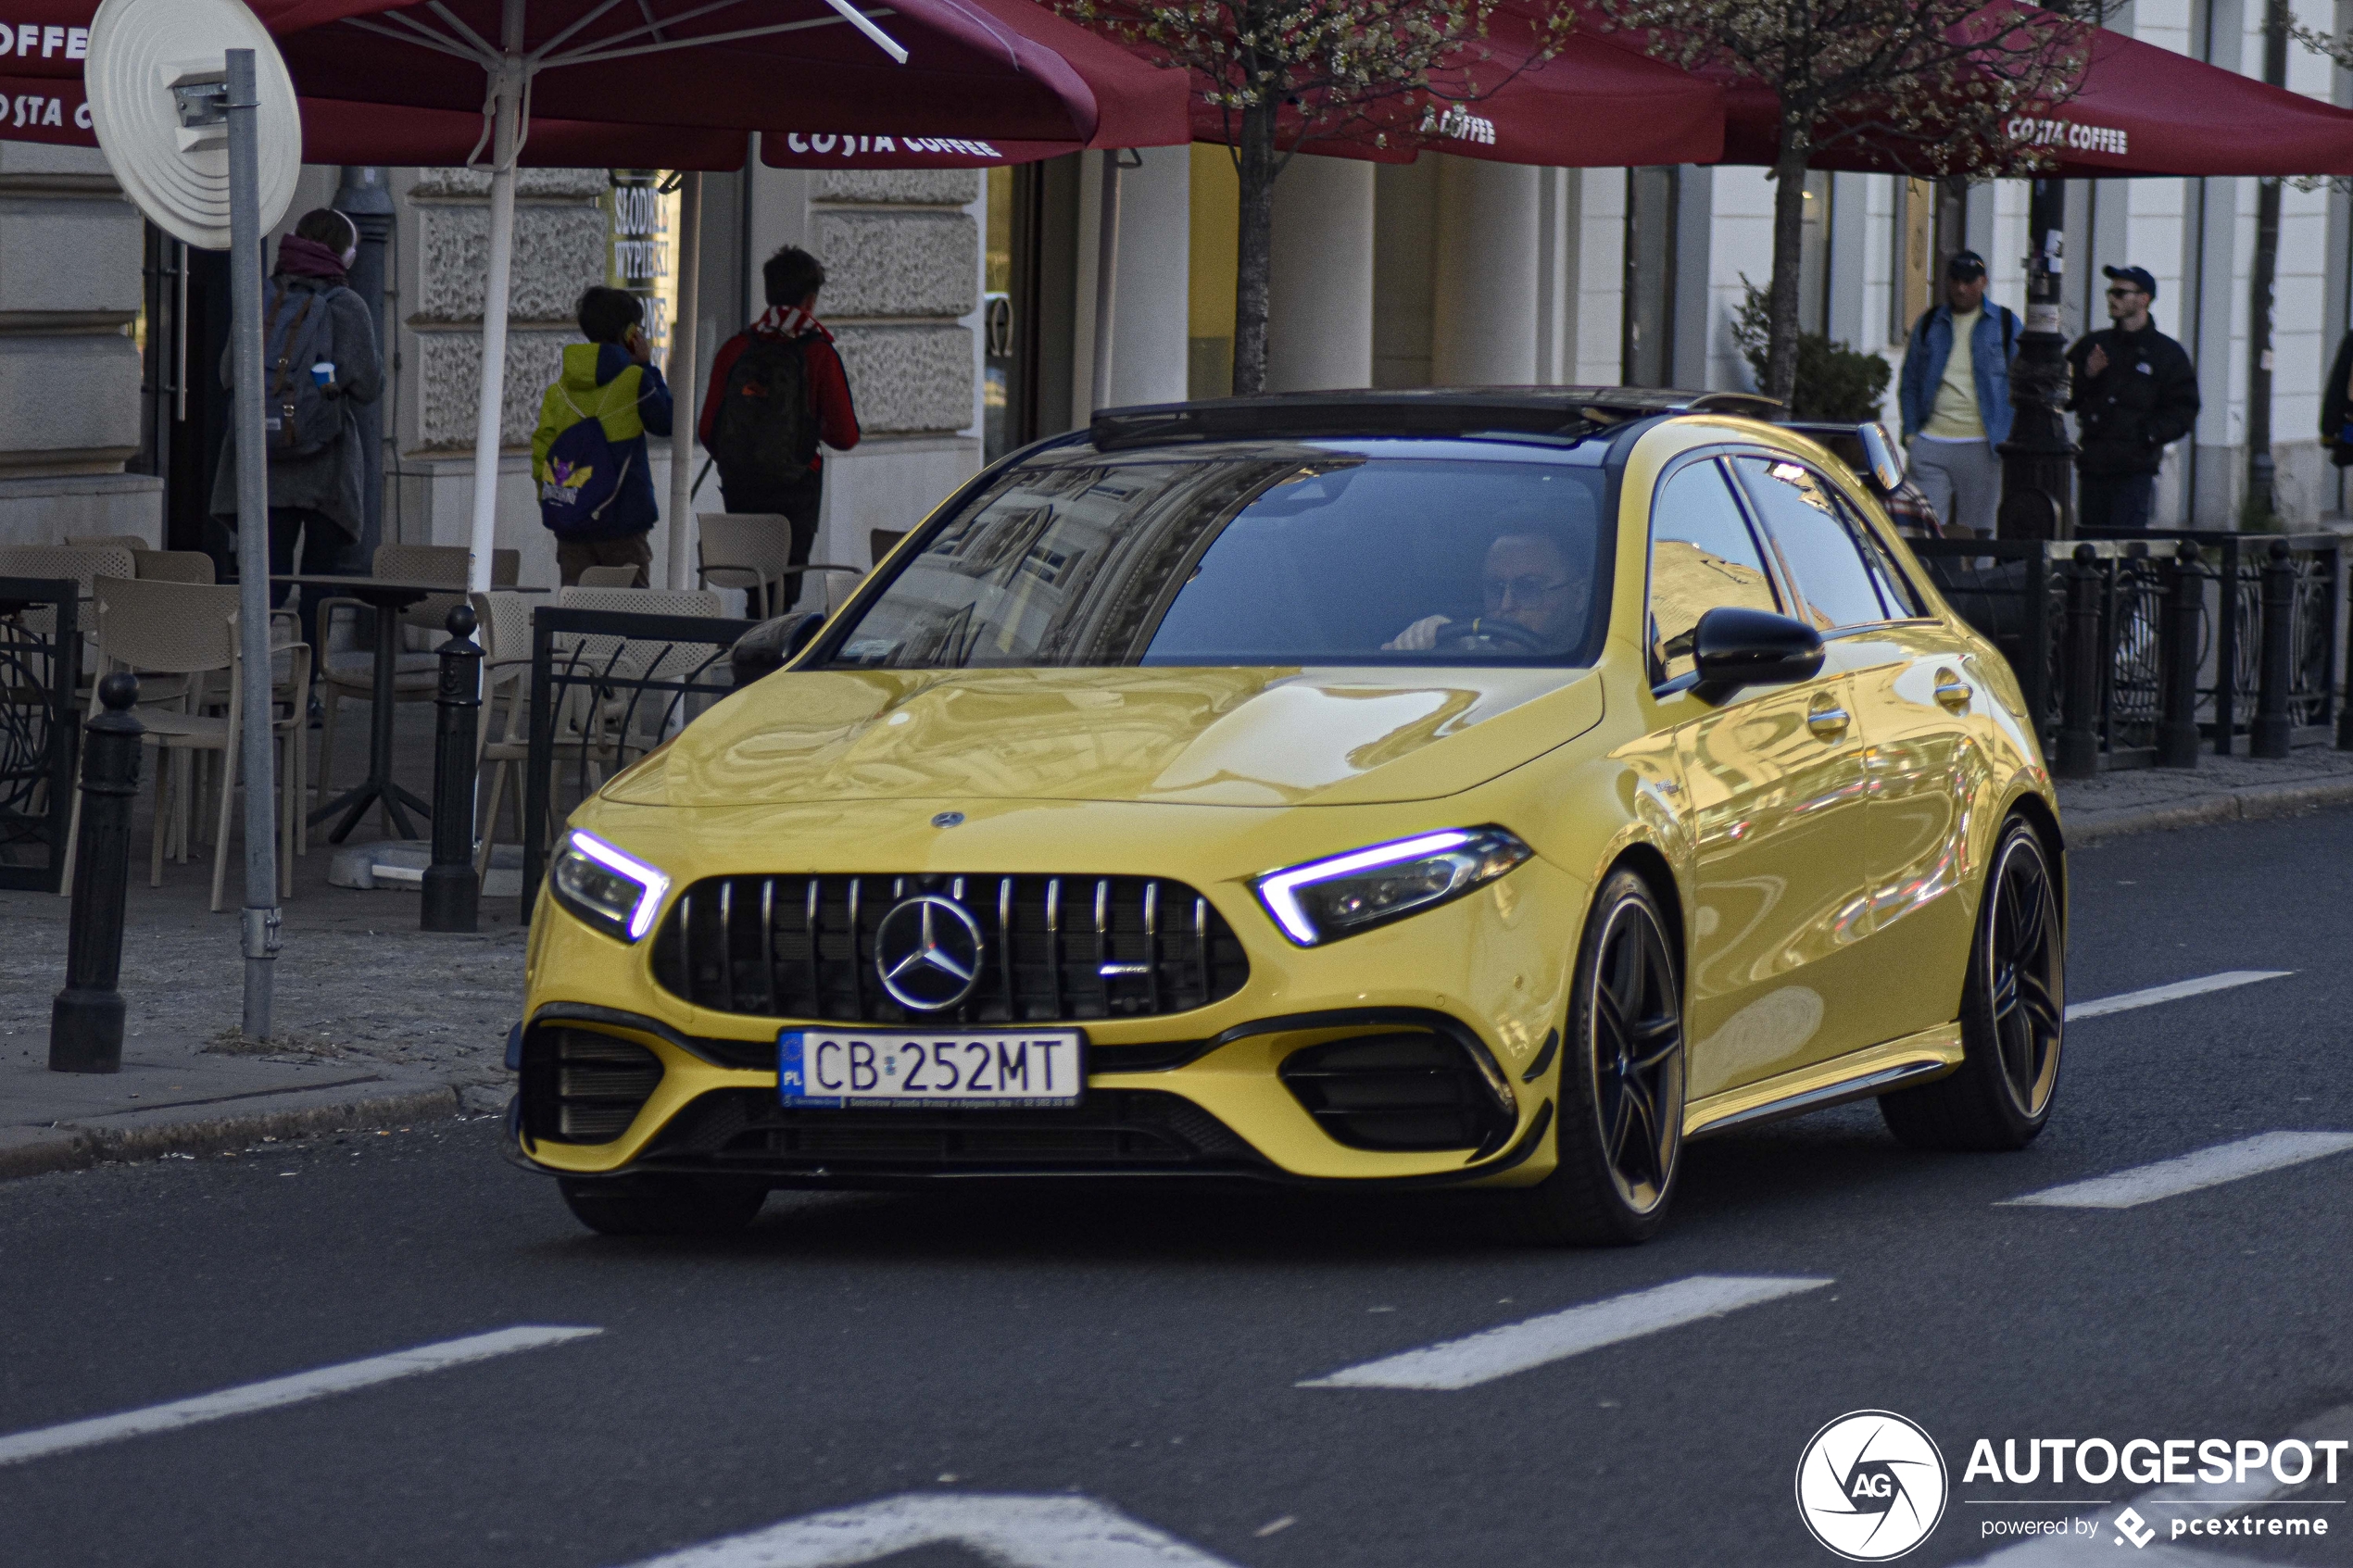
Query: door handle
point(1826, 719)
point(1952, 691)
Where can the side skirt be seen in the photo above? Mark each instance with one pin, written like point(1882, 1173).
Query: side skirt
point(1861, 1074)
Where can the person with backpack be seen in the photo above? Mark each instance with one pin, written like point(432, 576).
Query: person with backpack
point(589, 456)
point(1957, 406)
point(319, 361)
point(2135, 393)
point(776, 390)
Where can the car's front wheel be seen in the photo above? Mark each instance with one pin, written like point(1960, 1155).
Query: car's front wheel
point(1619, 1130)
point(662, 1204)
point(2013, 1014)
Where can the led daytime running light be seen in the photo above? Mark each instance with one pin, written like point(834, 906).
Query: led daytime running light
point(654, 883)
point(1279, 890)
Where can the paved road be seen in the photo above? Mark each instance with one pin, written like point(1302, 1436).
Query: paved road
point(1133, 1359)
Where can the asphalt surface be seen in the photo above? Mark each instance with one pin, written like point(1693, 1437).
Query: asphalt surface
point(1141, 1349)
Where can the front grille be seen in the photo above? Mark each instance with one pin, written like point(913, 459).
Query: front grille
point(1397, 1091)
point(1113, 1130)
point(582, 1086)
point(1054, 949)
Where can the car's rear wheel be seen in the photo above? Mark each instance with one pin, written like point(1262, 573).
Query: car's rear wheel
point(2013, 1014)
point(1619, 1130)
point(663, 1204)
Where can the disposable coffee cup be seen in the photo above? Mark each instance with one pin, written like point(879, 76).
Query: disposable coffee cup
point(324, 372)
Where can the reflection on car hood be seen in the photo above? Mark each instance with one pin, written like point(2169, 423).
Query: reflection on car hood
point(1212, 738)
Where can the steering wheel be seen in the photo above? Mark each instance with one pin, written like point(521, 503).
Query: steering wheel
point(1488, 630)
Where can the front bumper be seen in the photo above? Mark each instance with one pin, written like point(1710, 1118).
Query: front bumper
point(1202, 1094)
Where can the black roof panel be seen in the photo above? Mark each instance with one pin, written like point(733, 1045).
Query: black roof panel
point(1438, 410)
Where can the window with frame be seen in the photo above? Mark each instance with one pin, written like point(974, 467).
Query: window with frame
point(1703, 557)
point(1817, 542)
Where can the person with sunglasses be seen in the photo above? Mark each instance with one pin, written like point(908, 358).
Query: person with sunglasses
point(1534, 590)
point(2135, 392)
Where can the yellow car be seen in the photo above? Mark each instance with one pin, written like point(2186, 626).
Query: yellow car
point(1489, 789)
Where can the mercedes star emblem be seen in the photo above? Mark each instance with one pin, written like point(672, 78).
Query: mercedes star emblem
point(927, 951)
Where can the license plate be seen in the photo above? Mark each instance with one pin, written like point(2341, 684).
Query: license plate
point(838, 1068)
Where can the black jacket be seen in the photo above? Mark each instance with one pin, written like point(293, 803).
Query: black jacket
point(2337, 405)
point(2145, 400)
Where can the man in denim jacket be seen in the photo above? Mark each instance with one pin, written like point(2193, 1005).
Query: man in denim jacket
point(1957, 406)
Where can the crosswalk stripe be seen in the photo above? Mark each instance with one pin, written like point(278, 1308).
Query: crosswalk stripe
point(2188, 1173)
point(1499, 1352)
point(278, 1391)
point(2101, 1006)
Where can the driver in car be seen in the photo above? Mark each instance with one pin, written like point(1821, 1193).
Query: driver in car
point(1535, 601)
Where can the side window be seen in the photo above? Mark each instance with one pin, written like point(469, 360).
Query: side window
point(1817, 545)
point(1702, 556)
point(1893, 588)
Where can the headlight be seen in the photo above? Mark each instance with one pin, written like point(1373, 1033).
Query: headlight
point(616, 893)
point(1325, 900)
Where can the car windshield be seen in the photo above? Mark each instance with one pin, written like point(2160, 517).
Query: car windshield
point(1269, 552)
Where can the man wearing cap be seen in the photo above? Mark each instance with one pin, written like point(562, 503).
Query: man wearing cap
point(2135, 393)
point(1957, 406)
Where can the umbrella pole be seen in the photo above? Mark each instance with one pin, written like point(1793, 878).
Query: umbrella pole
point(682, 329)
point(489, 415)
point(1106, 278)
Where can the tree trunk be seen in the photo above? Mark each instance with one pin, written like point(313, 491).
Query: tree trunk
point(1254, 248)
point(1788, 235)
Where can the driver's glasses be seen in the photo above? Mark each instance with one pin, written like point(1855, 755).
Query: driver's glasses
point(1527, 588)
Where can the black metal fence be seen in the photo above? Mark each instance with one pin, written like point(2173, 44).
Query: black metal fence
point(606, 689)
point(40, 732)
point(2099, 633)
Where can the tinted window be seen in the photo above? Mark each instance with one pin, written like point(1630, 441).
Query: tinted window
point(1816, 546)
point(1259, 554)
point(1702, 556)
point(1893, 586)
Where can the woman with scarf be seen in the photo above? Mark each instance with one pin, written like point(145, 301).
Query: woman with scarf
point(315, 498)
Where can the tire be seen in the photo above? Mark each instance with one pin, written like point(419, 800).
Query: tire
point(663, 1205)
point(1618, 1136)
point(2013, 1015)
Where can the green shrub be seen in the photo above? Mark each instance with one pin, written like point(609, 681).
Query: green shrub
point(1833, 380)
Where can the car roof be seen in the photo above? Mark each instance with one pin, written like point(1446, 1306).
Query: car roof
point(1447, 410)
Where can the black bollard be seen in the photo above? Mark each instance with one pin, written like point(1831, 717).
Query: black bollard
point(86, 1021)
point(2079, 736)
point(2344, 709)
point(2184, 604)
point(451, 891)
point(2276, 672)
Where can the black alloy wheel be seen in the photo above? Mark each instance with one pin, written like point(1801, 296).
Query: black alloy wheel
point(663, 1204)
point(2013, 1014)
point(1620, 1122)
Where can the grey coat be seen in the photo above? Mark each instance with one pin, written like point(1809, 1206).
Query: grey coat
point(329, 479)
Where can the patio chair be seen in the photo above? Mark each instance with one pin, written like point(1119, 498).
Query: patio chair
point(190, 630)
point(173, 566)
point(132, 542)
point(609, 577)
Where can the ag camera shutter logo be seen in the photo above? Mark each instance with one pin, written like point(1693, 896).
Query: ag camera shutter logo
point(1871, 1485)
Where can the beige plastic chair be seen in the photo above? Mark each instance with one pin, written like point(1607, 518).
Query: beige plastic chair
point(746, 550)
point(347, 666)
point(607, 577)
point(85, 564)
point(189, 630)
point(132, 542)
point(173, 566)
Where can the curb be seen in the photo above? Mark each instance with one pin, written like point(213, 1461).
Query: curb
point(79, 1148)
point(2237, 806)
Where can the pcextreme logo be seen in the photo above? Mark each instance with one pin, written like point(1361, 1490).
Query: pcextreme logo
point(1871, 1485)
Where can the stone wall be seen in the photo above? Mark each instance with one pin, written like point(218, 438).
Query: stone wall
point(901, 260)
point(559, 249)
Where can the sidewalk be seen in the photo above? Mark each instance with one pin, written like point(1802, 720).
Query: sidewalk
point(378, 1023)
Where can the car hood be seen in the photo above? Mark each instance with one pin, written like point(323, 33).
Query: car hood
point(1217, 737)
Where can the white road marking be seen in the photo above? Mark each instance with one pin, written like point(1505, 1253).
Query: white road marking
point(2159, 1508)
point(277, 1391)
point(2101, 1006)
point(1499, 1352)
point(1009, 1531)
point(2188, 1173)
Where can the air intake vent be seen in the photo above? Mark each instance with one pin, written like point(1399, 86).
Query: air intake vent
point(582, 1086)
point(1053, 949)
point(1398, 1091)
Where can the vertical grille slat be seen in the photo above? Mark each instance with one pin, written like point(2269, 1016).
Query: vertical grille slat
point(784, 941)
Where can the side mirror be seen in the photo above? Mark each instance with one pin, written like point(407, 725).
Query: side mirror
point(1880, 453)
point(1732, 648)
point(771, 645)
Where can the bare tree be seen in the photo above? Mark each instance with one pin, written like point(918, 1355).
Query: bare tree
point(1928, 86)
point(1286, 73)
